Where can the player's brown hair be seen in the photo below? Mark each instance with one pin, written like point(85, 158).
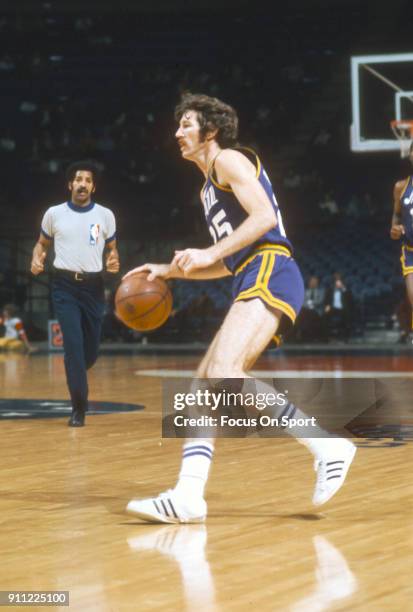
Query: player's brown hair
point(213, 114)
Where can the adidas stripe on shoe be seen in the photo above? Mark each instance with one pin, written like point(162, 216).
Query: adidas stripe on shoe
point(331, 471)
point(168, 508)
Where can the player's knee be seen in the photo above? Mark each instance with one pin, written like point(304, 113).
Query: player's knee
point(201, 371)
point(221, 369)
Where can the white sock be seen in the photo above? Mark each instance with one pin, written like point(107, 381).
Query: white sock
point(323, 446)
point(196, 461)
point(320, 439)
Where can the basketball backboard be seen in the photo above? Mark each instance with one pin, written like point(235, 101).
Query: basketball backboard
point(381, 91)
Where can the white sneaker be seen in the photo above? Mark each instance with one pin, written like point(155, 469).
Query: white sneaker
point(332, 470)
point(168, 508)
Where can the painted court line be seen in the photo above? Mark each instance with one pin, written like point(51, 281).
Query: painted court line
point(285, 374)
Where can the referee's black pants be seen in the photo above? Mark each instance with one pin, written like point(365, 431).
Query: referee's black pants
point(79, 307)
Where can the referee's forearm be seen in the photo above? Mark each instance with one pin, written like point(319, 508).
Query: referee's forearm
point(39, 249)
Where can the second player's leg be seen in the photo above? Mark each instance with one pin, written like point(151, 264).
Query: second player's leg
point(409, 289)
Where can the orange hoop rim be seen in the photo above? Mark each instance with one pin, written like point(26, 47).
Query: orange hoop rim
point(402, 124)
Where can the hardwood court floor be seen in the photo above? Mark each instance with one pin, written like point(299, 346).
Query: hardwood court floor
point(63, 493)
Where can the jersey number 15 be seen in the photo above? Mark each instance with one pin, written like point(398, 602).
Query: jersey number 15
point(219, 227)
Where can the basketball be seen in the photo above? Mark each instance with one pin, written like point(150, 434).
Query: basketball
point(141, 304)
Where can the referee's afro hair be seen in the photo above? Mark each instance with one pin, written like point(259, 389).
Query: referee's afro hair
point(89, 165)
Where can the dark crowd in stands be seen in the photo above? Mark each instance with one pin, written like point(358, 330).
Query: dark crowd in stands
point(103, 85)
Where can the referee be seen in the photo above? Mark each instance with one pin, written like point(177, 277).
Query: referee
point(81, 230)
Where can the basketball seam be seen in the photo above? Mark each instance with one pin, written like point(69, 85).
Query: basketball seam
point(163, 295)
point(148, 311)
point(144, 293)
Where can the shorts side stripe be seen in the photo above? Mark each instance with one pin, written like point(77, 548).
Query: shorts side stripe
point(406, 270)
point(264, 273)
point(281, 305)
point(269, 299)
point(260, 288)
point(266, 270)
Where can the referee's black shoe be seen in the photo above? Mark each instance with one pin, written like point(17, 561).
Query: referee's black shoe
point(77, 418)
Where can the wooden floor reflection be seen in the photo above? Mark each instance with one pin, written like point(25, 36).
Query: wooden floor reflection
point(63, 492)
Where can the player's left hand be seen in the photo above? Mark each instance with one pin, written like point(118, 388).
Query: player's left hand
point(396, 232)
point(112, 262)
point(193, 259)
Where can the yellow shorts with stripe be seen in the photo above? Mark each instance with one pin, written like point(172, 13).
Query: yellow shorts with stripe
point(271, 274)
point(407, 260)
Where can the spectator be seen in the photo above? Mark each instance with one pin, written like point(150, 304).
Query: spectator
point(403, 315)
point(314, 296)
point(309, 323)
point(7, 143)
point(353, 209)
point(368, 206)
point(15, 338)
point(328, 208)
point(339, 308)
point(329, 204)
point(292, 180)
point(7, 63)
point(322, 138)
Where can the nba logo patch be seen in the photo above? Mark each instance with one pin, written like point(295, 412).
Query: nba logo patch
point(94, 234)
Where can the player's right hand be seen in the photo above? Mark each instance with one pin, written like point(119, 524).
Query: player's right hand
point(155, 271)
point(37, 265)
point(396, 232)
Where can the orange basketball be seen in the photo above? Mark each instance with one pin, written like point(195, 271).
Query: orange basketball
point(141, 304)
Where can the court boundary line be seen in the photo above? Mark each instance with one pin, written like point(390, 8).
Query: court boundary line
point(163, 373)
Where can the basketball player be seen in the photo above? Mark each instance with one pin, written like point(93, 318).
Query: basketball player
point(402, 227)
point(249, 243)
point(81, 230)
